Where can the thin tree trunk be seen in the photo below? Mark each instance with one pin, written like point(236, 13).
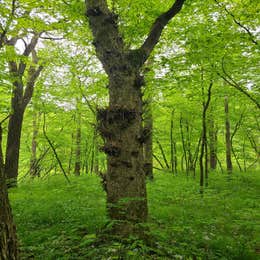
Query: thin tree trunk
point(213, 137)
point(77, 166)
point(204, 138)
point(220, 165)
point(190, 157)
point(148, 144)
point(244, 155)
point(228, 138)
point(86, 158)
point(183, 146)
point(173, 147)
point(34, 170)
point(196, 155)
point(71, 153)
point(96, 155)
point(206, 165)
point(157, 159)
point(163, 154)
point(237, 126)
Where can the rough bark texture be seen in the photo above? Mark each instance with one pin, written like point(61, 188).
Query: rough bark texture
point(121, 123)
point(8, 239)
point(228, 138)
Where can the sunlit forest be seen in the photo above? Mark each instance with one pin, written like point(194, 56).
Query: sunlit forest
point(129, 129)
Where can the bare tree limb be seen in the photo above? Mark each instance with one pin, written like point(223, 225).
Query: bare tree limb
point(228, 79)
point(252, 38)
point(1, 122)
point(53, 149)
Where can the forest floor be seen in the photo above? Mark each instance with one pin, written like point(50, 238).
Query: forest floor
point(57, 220)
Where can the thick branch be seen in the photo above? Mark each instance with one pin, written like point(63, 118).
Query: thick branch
point(28, 50)
point(32, 77)
point(157, 28)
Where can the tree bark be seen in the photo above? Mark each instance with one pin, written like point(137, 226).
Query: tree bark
point(34, 169)
point(8, 239)
point(204, 139)
point(13, 143)
point(213, 137)
point(184, 157)
point(21, 96)
point(77, 166)
point(148, 144)
point(120, 123)
point(228, 138)
point(173, 147)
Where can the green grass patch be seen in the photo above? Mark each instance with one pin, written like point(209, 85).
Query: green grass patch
point(57, 220)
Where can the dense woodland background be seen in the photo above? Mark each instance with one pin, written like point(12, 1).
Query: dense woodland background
point(200, 120)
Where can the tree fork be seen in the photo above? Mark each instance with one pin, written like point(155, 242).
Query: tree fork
point(121, 122)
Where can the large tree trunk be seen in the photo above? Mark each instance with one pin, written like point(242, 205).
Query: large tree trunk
point(121, 123)
point(121, 126)
point(8, 240)
point(228, 138)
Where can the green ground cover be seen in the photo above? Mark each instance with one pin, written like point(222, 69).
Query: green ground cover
point(57, 220)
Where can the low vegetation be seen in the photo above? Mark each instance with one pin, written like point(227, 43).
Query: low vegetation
point(57, 220)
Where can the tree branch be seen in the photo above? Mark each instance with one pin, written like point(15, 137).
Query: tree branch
point(238, 23)
point(5, 30)
point(157, 28)
point(28, 50)
point(53, 149)
point(33, 74)
point(228, 79)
